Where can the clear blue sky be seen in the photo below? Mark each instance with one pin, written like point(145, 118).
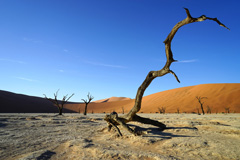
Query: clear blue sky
point(107, 47)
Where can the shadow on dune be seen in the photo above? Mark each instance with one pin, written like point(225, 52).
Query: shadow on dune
point(19, 103)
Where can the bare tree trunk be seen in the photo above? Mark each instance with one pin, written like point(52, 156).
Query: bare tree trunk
point(60, 110)
point(87, 101)
point(85, 111)
point(114, 120)
point(202, 109)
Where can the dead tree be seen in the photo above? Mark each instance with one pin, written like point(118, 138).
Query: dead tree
point(209, 110)
point(227, 110)
point(87, 101)
point(113, 120)
point(201, 103)
point(58, 103)
point(178, 110)
point(162, 110)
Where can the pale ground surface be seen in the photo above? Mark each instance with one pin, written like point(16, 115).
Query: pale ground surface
point(74, 136)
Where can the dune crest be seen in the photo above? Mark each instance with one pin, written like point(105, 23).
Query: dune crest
point(112, 99)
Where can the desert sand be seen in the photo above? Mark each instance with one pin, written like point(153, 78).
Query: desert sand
point(74, 136)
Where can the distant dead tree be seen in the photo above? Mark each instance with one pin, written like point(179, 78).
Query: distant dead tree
point(58, 103)
point(227, 109)
point(122, 110)
point(113, 120)
point(178, 110)
point(162, 110)
point(209, 110)
point(201, 103)
point(87, 101)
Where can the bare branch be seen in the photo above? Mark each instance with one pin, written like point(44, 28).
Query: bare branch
point(84, 100)
point(50, 99)
point(216, 20)
point(174, 75)
point(68, 97)
point(188, 13)
point(90, 97)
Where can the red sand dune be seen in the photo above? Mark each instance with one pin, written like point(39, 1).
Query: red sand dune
point(112, 99)
point(219, 96)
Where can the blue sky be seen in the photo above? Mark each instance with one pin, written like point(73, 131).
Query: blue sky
point(107, 47)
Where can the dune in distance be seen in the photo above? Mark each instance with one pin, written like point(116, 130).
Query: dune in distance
point(219, 97)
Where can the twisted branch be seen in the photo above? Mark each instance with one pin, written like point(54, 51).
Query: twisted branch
point(131, 115)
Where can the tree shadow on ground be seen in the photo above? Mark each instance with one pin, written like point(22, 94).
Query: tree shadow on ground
point(159, 133)
point(46, 155)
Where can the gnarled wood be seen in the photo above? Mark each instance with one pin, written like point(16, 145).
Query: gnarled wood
point(131, 115)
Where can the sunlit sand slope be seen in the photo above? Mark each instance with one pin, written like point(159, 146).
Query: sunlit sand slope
point(219, 97)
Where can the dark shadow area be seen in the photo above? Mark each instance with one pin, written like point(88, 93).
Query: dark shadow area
point(2, 125)
point(190, 128)
point(159, 133)
point(19, 103)
point(105, 101)
point(46, 155)
point(88, 145)
point(218, 123)
point(57, 115)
